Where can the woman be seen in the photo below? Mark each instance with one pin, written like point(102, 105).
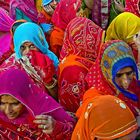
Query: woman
point(115, 72)
point(27, 112)
point(82, 38)
point(124, 27)
point(5, 37)
point(46, 9)
point(31, 49)
point(130, 25)
point(23, 9)
point(105, 118)
point(72, 71)
point(104, 11)
point(133, 6)
point(31, 32)
point(65, 11)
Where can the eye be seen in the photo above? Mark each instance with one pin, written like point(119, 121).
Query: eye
point(136, 35)
point(32, 46)
point(22, 48)
point(129, 73)
point(2, 103)
point(118, 75)
point(15, 104)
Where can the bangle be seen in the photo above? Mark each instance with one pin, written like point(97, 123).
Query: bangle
point(52, 85)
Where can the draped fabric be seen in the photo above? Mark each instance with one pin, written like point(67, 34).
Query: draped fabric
point(31, 32)
point(102, 73)
point(5, 37)
point(72, 71)
point(133, 6)
point(99, 118)
point(65, 12)
point(5, 4)
point(101, 12)
point(127, 22)
point(28, 7)
point(82, 38)
point(17, 83)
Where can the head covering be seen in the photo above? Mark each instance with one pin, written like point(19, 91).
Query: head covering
point(71, 81)
point(5, 21)
point(17, 83)
point(104, 117)
point(5, 39)
point(65, 12)
point(114, 55)
point(82, 38)
point(5, 4)
point(26, 6)
point(101, 12)
point(132, 6)
point(31, 32)
point(123, 27)
point(46, 2)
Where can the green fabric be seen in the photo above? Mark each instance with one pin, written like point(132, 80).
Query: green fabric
point(21, 15)
point(113, 11)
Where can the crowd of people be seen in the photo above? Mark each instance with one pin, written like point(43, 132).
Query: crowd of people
point(69, 69)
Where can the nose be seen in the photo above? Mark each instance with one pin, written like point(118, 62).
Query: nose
point(125, 81)
point(8, 109)
point(26, 51)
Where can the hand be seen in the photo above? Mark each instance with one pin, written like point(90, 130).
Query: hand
point(49, 10)
point(43, 65)
point(119, 5)
point(45, 122)
point(136, 39)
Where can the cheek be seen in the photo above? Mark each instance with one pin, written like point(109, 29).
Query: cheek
point(18, 108)
point(2, 108)
point(118, 81)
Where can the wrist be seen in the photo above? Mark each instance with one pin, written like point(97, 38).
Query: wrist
point(51, 84)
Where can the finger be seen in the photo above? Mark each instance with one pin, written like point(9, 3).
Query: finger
point(40, 121)
point(47, 131)
point(42, 126)
point(41, 117)
point(50, 8)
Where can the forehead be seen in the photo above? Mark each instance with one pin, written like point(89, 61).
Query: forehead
point(8, 99)
point(27, 44)
point(126, 69)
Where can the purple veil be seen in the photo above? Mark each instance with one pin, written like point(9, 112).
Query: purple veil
point(18, 84)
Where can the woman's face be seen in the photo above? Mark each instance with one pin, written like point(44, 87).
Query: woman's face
point(124, 77)
point(26, 47)
point(11, 107)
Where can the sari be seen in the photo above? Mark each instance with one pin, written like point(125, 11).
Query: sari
point(23, 9)
point(82, 38)
point(103, 12)
point(100, 118)
point(115, 55)
point(56, 40)
point(5, 4)
point(38, 5)
point(133, 7)
point(31, 32)
point(72, 71)
point(123, 27)
point(17, 84)
point(65, 12)
point(5, 38)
